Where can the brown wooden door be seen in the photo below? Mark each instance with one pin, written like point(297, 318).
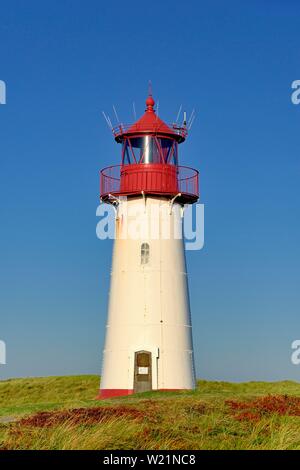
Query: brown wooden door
point(142, 372)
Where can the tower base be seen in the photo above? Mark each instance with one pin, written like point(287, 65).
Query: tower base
point(107, 393)
point(113, 392)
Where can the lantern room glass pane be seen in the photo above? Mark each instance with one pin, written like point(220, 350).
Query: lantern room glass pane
point(145, 149)
point(127, 154)
point(149, 149)
point(168, 150)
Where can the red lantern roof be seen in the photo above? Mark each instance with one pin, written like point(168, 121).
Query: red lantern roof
point(150, 123)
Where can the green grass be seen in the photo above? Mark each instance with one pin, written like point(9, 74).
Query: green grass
point(200, 419)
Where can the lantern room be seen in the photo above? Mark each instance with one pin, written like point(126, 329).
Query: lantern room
point(149, 161)
point(149, 149)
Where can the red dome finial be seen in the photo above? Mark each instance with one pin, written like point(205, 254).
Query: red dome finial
point(150, 103)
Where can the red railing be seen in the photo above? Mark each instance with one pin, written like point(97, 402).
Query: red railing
point(162, 179)
point(121, 129)
point(188, 180)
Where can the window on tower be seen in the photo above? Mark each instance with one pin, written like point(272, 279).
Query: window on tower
point(145, 253)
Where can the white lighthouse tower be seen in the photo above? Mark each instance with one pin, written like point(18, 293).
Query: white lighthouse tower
point(148, 344)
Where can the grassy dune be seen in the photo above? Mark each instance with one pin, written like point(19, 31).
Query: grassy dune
point(61, 413)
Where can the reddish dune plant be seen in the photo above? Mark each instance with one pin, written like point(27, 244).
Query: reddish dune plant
point(265, 406)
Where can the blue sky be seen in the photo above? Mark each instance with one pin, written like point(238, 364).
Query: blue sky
point(66, 61)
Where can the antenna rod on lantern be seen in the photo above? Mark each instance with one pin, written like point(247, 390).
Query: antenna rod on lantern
point(117, 117)
point(110, 123)
point(191, 117)
point(107, 120)
point(178, 114)
point(134, 111)
point(192, 121)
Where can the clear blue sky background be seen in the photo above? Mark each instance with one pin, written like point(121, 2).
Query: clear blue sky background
point(65, 61)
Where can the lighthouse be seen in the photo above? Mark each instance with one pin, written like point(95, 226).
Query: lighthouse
point(148, 341)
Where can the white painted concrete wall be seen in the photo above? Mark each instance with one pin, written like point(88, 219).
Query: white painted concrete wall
point(149, 304)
